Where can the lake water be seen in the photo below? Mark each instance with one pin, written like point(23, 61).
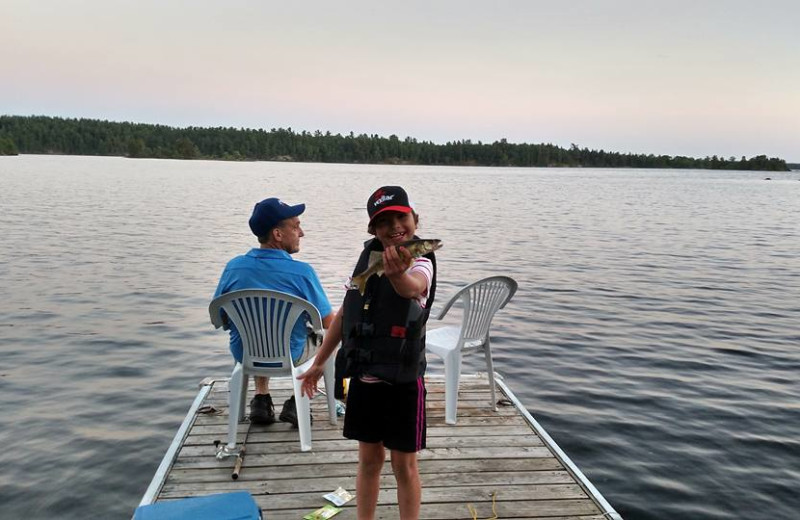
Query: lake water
point(655, 331)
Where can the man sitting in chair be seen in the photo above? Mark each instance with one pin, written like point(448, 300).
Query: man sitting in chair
point(270, 266)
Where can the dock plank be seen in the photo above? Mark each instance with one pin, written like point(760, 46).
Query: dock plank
point(272, 483)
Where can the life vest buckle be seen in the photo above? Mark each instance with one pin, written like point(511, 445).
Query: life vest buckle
point(365, 329)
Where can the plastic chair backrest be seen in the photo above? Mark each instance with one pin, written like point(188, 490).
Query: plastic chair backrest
point(481, 299)
point(265, 320)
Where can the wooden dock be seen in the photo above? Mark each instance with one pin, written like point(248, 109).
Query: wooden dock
point(502, 460)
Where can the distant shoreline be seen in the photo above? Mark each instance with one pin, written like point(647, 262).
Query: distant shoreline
point(54, 154)
point(54, 135)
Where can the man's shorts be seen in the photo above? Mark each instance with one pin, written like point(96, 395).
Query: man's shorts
point(387, 413)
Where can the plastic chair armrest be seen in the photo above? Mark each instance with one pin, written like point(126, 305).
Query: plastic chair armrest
point(218, 319)
point(446, 308)
point(313, 344)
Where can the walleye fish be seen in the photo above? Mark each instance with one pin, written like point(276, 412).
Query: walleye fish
point(416, 247)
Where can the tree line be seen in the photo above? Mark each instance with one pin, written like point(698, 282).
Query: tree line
point(55, 135)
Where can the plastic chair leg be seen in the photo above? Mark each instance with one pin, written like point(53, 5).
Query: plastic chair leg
point(330, 381)
point(452, 376)
point(243, 396)
point(234, 402)
point(303, 405)
point(487, 352)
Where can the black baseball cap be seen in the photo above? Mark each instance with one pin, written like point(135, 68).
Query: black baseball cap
point(388, 198)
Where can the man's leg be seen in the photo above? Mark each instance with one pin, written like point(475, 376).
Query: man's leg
point(368, 481)
point(409, 489)
point(262, 385)
point(262, 411)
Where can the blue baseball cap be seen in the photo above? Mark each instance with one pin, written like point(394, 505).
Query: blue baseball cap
point(269, 212)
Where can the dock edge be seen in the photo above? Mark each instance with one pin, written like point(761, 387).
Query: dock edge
point(172, 452)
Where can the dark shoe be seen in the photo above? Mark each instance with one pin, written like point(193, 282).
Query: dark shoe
point(262, 410)
point(289, 412)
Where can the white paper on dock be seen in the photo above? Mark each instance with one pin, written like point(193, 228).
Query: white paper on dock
point(339, 497)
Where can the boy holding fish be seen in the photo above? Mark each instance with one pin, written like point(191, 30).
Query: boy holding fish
point(381, 326)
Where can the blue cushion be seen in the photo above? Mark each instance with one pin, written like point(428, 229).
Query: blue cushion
point(223, 506)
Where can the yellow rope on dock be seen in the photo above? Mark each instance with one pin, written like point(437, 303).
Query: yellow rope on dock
point(474, 513)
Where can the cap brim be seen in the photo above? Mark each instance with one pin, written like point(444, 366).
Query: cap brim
point(400, 209)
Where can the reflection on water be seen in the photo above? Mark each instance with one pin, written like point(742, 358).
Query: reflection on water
point(654, 332)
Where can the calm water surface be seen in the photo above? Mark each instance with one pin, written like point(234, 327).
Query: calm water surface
point(655, 332)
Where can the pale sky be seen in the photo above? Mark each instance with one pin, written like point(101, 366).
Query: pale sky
point(696, 78)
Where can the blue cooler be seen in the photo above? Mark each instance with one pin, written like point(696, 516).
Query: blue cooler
point(223, 506)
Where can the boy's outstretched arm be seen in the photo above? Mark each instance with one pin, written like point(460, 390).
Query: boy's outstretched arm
point(333, 336)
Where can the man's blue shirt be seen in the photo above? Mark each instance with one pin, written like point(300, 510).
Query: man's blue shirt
point(273, 269)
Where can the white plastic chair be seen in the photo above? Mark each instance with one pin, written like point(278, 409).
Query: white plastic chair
point(481, 300)
point(265, 320)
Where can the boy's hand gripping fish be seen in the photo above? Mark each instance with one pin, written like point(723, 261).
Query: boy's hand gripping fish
point(416, 248)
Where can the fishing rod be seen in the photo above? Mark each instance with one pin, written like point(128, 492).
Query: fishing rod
point(223, 453)
point(237, 467)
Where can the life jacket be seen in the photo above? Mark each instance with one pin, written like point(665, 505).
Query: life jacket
point(383, 334)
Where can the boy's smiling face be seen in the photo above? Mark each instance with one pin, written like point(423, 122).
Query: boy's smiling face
point(394, 227)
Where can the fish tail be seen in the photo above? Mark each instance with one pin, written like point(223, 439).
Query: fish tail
point(360, 282)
